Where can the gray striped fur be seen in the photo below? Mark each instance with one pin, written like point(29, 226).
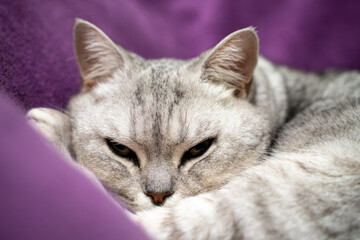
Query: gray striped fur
point(284, 163)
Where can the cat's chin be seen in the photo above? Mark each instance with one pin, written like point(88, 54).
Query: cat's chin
point(135, 208)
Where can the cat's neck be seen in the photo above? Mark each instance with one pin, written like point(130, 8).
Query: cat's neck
point(269, 93)
point(282, 92)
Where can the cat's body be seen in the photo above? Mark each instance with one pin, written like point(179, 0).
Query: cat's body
point(267, 152)
point(309, 188)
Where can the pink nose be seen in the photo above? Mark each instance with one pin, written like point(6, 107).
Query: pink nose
point(158, 198)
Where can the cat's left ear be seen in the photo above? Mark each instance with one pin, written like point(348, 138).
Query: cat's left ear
point(233, 60)
point(98, 57)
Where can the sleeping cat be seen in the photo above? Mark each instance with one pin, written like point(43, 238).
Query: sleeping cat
point(230, 145)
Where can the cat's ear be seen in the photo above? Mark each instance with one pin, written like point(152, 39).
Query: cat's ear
point(233, 60)
point(98, 57)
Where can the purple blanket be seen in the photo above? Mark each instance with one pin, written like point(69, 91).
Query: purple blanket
point(43, 197)
point(38, 68)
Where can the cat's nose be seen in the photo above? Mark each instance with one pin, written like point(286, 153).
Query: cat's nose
point(158, 198)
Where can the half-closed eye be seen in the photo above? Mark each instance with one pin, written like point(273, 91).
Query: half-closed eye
point(197, 150)
point(122, 151)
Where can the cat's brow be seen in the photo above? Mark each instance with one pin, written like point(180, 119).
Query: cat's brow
point(126, 140)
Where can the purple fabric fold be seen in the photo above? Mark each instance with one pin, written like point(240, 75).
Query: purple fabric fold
point(38, 67)
point(43, 197)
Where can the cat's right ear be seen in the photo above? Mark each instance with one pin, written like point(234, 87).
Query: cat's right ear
point(97, 56)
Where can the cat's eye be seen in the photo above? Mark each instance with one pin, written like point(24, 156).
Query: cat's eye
point(197, 150)
point(122, 151)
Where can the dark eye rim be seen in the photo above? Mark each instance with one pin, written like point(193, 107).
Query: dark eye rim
point(132, 155)
point(187, 157)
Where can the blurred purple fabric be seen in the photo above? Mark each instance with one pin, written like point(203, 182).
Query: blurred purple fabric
point(42, 197)
point(38, 67)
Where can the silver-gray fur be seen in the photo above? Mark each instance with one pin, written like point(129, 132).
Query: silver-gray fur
point(284, 162)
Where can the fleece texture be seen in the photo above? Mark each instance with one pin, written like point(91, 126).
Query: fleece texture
point(38, 67)
point(42, 196)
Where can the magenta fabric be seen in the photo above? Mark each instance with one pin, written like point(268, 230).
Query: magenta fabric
point(44, 198)
point(38, 67)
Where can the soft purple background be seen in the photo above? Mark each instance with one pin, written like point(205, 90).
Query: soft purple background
point(38, 68)
point(44, 198)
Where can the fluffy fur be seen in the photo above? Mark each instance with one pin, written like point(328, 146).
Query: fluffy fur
point(284, 162)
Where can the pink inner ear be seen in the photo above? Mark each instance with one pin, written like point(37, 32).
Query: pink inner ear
point(249, 47)
point(98, 57)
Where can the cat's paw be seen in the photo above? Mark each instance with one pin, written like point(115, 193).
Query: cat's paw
point(44, 119)
point(154, 222)
point(52, 124)
point(181, 221)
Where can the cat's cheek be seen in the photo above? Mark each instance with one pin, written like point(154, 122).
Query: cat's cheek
point(143, 202)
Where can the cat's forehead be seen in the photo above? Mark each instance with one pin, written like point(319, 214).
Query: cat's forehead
point(156, 103)
point(163, 83)
point(153, 81)
point(159, 103)
point(159, 82)
point(161, 72)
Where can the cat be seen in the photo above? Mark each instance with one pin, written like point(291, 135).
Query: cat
point(227, 145)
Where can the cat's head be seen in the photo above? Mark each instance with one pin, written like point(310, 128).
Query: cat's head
point(155, 131)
